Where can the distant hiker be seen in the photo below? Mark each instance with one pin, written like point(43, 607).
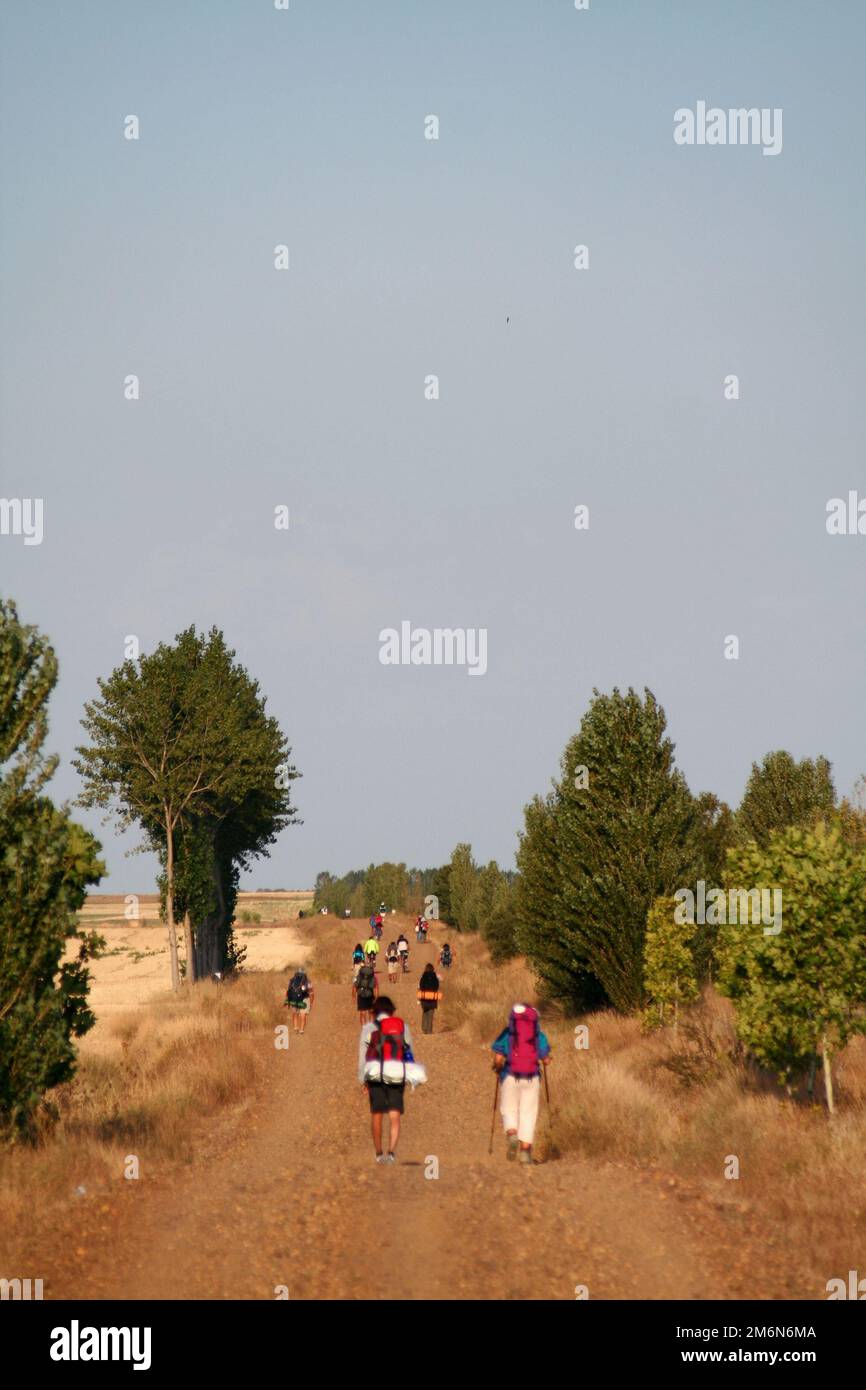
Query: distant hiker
point(421, 930)
point(386, 1039)
point(393, 959)
point(520, 1051)
point(379, 926)
point(447, 956)
point(365, 989)
point(299, 997)
point(429, 995)
point(346, 912)
point(403, 951)
point(371, 948)
point(358, 954)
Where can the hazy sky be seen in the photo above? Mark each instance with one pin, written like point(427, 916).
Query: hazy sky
point(305, 387)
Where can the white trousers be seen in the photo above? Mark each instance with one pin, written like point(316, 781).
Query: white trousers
point(518, 1105)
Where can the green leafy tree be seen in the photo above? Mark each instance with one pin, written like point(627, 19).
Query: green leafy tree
point(852, 815)
point(714, 835)
point(782, 792)
point(180, 743)
point(388, 884)
point(799, 992)
point(462, 874)
point(47, 862)
point(539, 911)
point(499, 926)
point(669, 967)
point(623, 833)
point(441, 890)
point(480, 902)
point(336, 894)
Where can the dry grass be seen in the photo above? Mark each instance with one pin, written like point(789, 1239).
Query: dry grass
point(685, 1101)
point(154, 1074)
point(681, 1101)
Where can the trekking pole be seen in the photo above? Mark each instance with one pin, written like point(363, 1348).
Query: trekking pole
point(493, 1120)
point(546, 1087)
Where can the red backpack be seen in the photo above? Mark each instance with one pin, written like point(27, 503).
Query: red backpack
point(523, 1035)
point(387, 1043)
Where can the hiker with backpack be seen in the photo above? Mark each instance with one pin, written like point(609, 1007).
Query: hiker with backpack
point(365, 988)
point(385, 1045)
point(519, 1053)
point(299, 997)
point(403, 951)
point(446, 956)
point(358, 954)
point(429, 995)
point(393, 960)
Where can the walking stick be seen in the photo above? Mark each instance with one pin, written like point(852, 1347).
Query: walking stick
point(546, 1087)
point(493, 1121)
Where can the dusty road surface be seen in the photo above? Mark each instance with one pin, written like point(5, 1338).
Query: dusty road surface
point(285, 1192)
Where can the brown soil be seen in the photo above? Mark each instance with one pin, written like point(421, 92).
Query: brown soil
point(285, 1191)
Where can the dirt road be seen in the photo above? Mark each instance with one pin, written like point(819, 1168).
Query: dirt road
point(285, 1192)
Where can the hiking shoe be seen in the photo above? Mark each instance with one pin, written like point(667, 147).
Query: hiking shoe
point(389, 1158)
point(511, 1151)
point(380, 1158)
point(525, 1155)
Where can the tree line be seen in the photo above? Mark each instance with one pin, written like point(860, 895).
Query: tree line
point(461, 893)
point(605, 853)
point(179, 742)
point(602, 858)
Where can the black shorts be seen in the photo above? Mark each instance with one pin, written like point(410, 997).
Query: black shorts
point(365, 1003)
point(384, 1098)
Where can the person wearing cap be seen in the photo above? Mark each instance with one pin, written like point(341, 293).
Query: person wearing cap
point(519, 1053)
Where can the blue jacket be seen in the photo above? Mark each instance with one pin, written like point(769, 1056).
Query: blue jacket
point(502, 1045)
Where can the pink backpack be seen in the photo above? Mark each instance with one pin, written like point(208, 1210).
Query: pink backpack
point(523, 1034)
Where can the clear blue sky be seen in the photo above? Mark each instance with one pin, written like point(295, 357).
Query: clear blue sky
point(306, 127)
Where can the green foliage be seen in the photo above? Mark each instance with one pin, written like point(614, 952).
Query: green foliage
point(440, 887)
point(362, 890)
point(47, 862)
point(336, 894)
point(669, 967)
point(799, 992)
point(462, 874)
point(480, 905)
point(852, 816)
point(714, 835)
point(782, 792)
point(385, 883)
point(499, 926)
point(538, 911)
point(181, 744)
point(612, 847)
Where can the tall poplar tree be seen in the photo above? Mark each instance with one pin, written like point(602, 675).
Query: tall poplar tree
point(623, 833)
point(47, 862)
